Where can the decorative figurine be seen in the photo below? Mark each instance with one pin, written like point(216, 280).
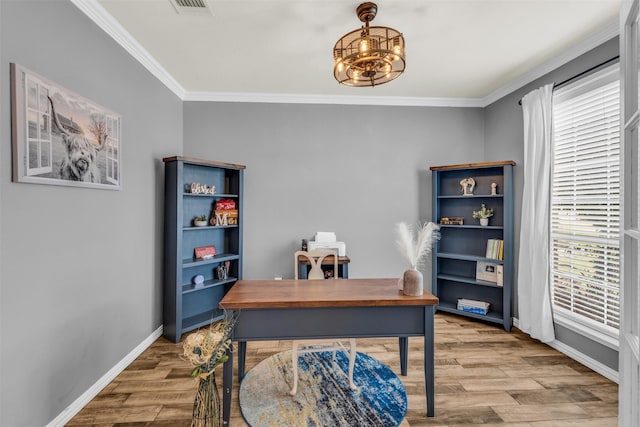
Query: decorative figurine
point(494, 188)
point(467, 184)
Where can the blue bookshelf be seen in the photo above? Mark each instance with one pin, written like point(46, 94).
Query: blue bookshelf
point(187, 306)
point(456, 256)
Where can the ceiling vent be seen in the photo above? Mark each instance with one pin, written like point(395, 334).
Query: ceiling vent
point(192, 7)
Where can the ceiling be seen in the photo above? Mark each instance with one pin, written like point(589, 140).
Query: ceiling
point(459, 52)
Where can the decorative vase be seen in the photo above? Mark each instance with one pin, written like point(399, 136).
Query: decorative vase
point(484, 221)
point(412, 282)
point(199, 223)
point(206, 406)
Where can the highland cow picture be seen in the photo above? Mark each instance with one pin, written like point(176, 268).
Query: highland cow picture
point(60, 137)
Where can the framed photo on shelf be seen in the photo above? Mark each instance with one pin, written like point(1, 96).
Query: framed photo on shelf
point(487, 271)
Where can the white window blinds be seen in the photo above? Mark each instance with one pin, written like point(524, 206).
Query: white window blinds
point(585, 201)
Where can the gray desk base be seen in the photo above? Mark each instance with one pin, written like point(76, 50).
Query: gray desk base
point(333, 322)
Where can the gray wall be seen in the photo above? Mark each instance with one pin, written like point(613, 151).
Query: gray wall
point(80, 273)
point(80, 269)
point(355, 170)
point(504, 140)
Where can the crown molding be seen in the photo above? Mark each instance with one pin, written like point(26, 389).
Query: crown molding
point(94, 11)
point(279, 98)
point(98, 14)
point(109, 25)
point(608, 32)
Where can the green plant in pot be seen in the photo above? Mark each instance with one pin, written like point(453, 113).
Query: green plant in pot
point(200, 221)
point(483, 214)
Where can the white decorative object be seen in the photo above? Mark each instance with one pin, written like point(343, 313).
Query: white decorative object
point(494, 188)
point(198, 280)
point(468, 184)
point(197, 188)
point(413, 251)
point(221, 218)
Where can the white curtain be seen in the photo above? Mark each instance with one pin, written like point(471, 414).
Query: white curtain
point(534, 291)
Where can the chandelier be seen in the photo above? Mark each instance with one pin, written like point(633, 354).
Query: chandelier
point(371, 55)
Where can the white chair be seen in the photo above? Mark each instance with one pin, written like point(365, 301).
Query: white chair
point(315, 258)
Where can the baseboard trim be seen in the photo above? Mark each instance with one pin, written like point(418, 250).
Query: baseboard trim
point(71, 410)
point(578, 356)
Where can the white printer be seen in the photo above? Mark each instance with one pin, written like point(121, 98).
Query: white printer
point(327, 240)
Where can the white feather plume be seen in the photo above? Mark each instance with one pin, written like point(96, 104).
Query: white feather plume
point(414, 250)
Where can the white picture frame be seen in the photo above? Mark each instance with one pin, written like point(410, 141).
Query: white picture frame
point(80, 145)
point(486, 271)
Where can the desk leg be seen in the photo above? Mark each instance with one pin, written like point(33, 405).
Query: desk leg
point(242, 353)
point(403, 343)
point(227, 387)
point(429, 365)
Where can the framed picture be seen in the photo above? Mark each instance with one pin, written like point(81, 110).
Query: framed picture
point(486, 271)
point(60, 137)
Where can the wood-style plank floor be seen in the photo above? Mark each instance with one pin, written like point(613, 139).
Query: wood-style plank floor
point(484, 376)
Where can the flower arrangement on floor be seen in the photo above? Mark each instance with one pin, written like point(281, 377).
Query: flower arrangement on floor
point(414, 251)
point(206, 349)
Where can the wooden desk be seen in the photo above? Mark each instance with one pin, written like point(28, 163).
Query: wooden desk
point(298, 309)
point(343, 266)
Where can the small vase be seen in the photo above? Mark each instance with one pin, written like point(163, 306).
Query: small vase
point(484, 221)
point(206, 407)
point(412, 283)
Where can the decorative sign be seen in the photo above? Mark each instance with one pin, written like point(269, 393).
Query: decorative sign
point(205, 252)
point(225, 205)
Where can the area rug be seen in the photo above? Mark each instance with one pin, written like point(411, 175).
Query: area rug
point(324, 397)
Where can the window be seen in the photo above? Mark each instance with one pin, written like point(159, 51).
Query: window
point(38, 127)
point(112, 150)
point(585, 205)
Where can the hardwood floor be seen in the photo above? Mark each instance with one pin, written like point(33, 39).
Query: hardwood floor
point(484, 376)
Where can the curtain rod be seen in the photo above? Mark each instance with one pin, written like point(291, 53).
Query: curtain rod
point(570, 79)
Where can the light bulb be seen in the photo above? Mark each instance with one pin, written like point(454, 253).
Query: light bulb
point(340, 66)
point(363, 45)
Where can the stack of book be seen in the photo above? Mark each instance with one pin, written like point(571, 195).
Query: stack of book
point(495, 249)
point(473, 306)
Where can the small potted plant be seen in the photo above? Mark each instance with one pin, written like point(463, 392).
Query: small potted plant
point(483, 214)
point(200, 221)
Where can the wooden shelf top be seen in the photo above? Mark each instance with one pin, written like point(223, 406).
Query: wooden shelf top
point(473, 165)
point(203, 162)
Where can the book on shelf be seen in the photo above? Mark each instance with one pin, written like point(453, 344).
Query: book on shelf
point(486, 271)
point(500, 275)
point(495, 249)
point(473, 306)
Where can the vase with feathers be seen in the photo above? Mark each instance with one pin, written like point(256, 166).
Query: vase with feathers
point(414, 250)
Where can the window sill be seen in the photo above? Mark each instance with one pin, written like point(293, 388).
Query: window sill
point(605, 338)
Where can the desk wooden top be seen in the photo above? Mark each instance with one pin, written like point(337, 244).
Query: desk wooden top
point(248, 294)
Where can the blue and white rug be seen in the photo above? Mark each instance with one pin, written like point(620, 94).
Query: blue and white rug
point(324, 398)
